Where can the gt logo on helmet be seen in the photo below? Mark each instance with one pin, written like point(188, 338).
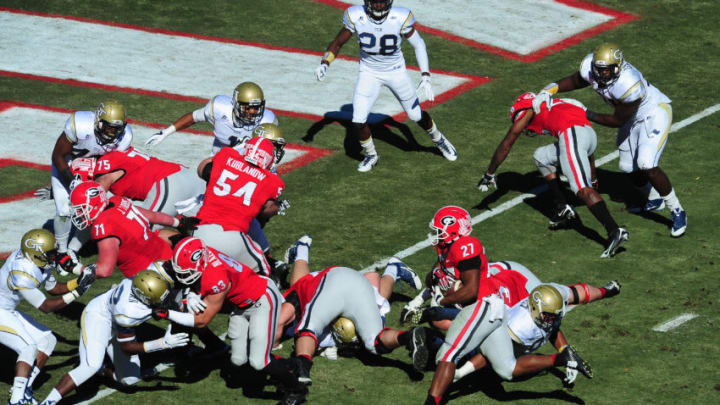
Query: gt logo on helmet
point(34, 245)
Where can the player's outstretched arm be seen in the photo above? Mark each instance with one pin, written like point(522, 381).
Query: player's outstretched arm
point(331, 52)
point(622, 114)
point(180, 124)
point(503, 150)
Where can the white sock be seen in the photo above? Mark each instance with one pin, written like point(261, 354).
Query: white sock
point(33, 374)
point(368, 146)
point(303, 253)
point(18, 389)
point(62, 226)
point(653, 194)
point(53, 397)
point(434, 133)
point(466, 369)
point(672, 201)
point(391, 271)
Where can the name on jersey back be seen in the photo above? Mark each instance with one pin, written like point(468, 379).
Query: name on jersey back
point(244, 168)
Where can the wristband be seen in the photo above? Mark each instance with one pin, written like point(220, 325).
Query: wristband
point(72, 284)
point(552, 88)
point(328, 57)
point(176, 222)
point(70, 297)
point(153, 345)
point(169, 130)
point(562, 348)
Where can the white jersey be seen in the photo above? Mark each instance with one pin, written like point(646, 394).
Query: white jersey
point(380, 48)
point(630, 86)
point(523, 329)
point(121, 306)
point(218, 112)
point(80, 130)
point(19, 273)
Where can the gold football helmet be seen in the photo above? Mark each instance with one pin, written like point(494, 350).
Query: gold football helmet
point(343, 330)
point(40, 247)
point(606, 63)
point(547, 306)
point(110, 121)
point(273, 133)
point(150, 288)
point(248, 104)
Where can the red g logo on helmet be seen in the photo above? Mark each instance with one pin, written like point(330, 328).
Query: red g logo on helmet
point(87, 201)
point(449, 223)
point(189, 260)
point(259, 152)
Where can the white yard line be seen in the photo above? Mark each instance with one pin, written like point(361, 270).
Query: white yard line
point(489, 214)
point(536, 191)
point(674, 323)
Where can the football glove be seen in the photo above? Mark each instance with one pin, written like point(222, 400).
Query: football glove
point(543, 97)
point(173, 340)
point(44, 193)
point(437, 295)
point(570, 376)
point(187, 224)
point(321, 71)
point(158, 137)
point(66, 265)
point(283, 206)
point(487, 181)
point(87, 277)
point(195, 303)
point(425, 88)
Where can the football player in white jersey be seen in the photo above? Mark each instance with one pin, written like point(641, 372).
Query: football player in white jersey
point(380, 28)
point(108, 326)
point(86, 134)
point(20, 278)
point(642, 114)
point(233, 118)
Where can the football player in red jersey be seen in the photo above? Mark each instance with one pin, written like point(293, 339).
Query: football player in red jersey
point(218, 277)
point(240, 187)
point(122, 230)
point(573, 152)
point(158, 184)
point(321, 298)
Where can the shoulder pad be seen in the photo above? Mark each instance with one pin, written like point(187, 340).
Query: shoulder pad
point(586, 68)
point(351, 15)
point(70, 130)
point(269, 117)
point(22, 280)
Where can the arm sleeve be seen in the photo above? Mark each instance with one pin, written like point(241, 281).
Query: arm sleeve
point(199, 115)
point(420, 51)
point(34, 297)
point(472, 263)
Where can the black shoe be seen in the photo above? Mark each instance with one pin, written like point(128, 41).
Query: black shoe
point(563, 217)
point(570, 358)
point(295, 396)
point(418, 348)
point(301, 371)
point(612, 289)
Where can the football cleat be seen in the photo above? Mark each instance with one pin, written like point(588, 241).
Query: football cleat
point(29, 397)
point(617, 237)
point(679, 220)
point(448, 151)
point(405, 273)
point(368, 163)
point(656, 204)
point(568, 357)
point(418, 348)
point(302, 372)
point(612, 289)
point(563, 216)
point(295, 396)
point(291, 252)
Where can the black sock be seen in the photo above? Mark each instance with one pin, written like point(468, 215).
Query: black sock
point(600, 211)
point(281, 369)
point(404, 337)
point(555, 189)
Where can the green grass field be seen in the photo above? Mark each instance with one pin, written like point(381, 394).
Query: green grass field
point(356, 219)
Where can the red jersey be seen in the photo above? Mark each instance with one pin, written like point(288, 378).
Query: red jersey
point(464, 254)
point(307, 286)
point(139, 246)
point(223, 272)
point(507, 284)
point(561, 116)
point(237, 191)
point(141, 172)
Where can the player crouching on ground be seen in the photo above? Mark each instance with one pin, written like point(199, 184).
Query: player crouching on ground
point(322, 297)
point(22, 274)
point(218, 277)
point(108, 324)
point(573, 152)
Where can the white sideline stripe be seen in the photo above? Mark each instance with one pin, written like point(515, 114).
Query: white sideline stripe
point(476, 219)
point(674, 323)
point(109, 391)
point(534, 192)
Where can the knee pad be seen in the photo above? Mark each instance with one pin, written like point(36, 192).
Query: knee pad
point(82, 373)
point(626, 166)
point(27, 354)
point(47, 344)
point(505, 370)
point(128, 381)
point(544, 168)
point(238, 359)
point(415, 113)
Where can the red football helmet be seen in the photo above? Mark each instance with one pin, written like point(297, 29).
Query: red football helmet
point(521, 105)
point(259, 152)
point(449, 223)
point(87, 200)
point(189, 260)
